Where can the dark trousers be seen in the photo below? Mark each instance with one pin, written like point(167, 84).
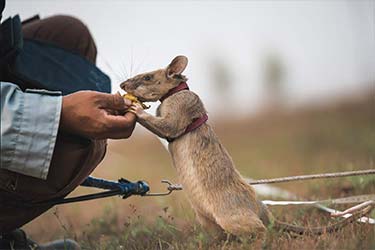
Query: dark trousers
point(74, 158)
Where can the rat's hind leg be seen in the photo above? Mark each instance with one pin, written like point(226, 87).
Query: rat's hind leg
point(242, 223)
point(208, 224)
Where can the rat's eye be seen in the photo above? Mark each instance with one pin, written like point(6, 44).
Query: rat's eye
point(147, 78)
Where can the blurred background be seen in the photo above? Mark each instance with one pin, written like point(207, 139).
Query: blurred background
point(289, 87)
point(249, 54)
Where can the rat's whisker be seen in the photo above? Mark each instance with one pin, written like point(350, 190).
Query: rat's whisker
point(124, 70)
point(131, 61)
point(108, 65)
point(141, 63)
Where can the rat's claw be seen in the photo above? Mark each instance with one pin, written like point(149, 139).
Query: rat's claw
point(136, 108)
point(131, 109)
point(138, 105)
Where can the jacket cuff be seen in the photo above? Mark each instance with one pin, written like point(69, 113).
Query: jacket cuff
point(36, 140)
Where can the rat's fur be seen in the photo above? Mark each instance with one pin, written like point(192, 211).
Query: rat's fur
point(221, 198)
point(219, 195)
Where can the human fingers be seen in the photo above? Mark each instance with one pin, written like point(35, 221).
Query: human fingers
point(132, 111)
point(128, 103)
point(120, 126)
point(114, 102)
point(133, 108)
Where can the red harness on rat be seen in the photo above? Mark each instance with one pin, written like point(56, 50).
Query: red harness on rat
point(196, 122)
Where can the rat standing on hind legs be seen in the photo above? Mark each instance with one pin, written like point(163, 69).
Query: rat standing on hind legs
point(220, 197)
point(203, 165)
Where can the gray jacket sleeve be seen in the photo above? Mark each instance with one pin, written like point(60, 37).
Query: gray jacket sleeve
point(29, 124)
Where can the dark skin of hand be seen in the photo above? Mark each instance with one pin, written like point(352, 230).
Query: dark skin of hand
point(97, 115)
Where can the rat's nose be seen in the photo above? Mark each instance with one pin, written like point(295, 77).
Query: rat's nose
point(123, 85)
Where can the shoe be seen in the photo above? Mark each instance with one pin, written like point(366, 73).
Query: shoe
point(66, 244)
point(17, 240)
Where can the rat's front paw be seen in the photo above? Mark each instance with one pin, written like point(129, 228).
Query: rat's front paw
point(137, 109)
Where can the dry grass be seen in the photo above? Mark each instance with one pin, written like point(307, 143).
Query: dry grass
point(326, 139)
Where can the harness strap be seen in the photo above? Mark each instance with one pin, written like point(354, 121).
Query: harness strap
point(196, 123)
point(178, 88)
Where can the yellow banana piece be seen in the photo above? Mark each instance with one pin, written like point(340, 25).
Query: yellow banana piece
point(134, 99)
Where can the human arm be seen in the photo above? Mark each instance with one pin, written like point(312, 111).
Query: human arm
point(30, 121)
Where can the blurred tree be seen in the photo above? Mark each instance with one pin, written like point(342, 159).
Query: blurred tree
point(221, 78)
point(274, 76)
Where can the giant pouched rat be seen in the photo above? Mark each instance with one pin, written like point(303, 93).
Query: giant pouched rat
point(221, 198)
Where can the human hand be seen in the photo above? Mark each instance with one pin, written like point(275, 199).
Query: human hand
point(97, 115)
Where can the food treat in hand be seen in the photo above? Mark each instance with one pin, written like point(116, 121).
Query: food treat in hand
point(134, 99)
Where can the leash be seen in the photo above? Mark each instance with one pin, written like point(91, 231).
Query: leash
point(122, 187)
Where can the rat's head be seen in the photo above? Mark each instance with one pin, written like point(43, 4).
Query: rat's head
point(153, 85)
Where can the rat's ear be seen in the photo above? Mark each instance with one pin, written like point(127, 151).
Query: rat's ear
point(177, 66)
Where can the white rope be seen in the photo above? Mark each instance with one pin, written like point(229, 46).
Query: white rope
point(345, 200)
point(268, 190)
point(330, 210)
point(366, 199)
point(353, 209)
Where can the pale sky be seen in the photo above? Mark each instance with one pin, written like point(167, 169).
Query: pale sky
point(327, 47)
